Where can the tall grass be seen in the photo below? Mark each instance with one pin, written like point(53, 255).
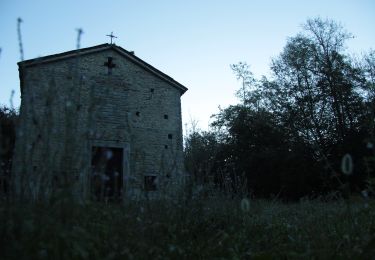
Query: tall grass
point(215, 227)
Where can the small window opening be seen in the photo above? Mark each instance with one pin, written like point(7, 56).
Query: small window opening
point(137, 113)
point(166, 146)
point(152, 90)
point(170, 136)
point(150, 183)
point(165, 116)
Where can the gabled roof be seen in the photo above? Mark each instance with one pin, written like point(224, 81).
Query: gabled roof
point(98, 48)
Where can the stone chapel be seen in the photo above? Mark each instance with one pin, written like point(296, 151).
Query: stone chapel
point(100, 121)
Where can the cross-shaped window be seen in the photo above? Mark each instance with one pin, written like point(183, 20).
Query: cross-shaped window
point(110, 65)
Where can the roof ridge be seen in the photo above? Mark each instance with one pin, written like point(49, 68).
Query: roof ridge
point(130, 55)
point(63, 53)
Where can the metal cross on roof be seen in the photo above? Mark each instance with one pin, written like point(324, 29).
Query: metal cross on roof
point(111, 36)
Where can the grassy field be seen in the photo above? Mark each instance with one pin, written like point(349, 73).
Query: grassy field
point(212, 228)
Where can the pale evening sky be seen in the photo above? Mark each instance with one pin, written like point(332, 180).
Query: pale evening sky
point(192, 41)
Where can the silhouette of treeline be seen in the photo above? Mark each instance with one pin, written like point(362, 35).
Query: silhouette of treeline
point(289, 133)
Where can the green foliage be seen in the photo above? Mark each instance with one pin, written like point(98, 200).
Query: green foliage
point(320, 95)
point(256, 146)
point(200, 155)
point(216, 227)
point(290, 132)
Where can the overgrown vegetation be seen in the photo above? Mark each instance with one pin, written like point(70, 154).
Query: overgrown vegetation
point(216, 227)
point(8, 119)
point(290, 133)
point(285, 141)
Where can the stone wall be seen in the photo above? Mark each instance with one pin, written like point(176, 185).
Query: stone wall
point(72, 104)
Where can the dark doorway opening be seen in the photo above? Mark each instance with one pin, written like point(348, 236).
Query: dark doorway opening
point(107, 173)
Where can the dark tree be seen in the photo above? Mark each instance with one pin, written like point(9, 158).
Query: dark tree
point(316, 92)
point(290, 132)
point(200, 154)
point(8, 118)
point(257, 151)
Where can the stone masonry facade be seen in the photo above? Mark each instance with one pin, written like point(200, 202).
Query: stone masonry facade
point(102, 96)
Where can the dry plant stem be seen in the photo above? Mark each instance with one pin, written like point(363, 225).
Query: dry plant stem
point(19, 34)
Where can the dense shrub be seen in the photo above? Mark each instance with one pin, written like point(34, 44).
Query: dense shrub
point(8, 118)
